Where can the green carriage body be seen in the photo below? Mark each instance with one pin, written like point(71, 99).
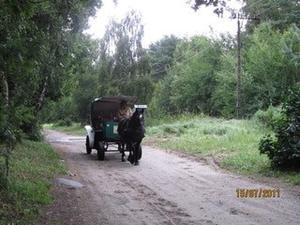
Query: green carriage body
point(110, 130)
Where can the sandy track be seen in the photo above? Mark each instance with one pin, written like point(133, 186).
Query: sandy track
point(163, 189)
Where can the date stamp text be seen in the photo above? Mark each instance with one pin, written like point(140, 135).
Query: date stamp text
point(257, 193)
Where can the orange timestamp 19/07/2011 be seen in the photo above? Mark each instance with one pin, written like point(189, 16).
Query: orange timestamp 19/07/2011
point(257, 193)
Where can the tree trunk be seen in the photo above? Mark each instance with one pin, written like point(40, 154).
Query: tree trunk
point(42, 95)
point(6, 152)
point(5, 90)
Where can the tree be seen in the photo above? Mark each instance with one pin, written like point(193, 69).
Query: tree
point(79, 86)
point(218, 5)
point(221, 6)
point(280, 13)
point(84, 76)
point(273, 66)
point(161, 54)
point(35, 42)
point(224, 96)
point(123, 62)
point(36, 38)
point(190, 83)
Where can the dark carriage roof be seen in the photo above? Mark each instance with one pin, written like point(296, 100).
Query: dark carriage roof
point(108, 106)
point(117, 99)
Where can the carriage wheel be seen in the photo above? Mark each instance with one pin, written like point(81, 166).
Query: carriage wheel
point(87, 145)
point(139, 152)
point(101, 151)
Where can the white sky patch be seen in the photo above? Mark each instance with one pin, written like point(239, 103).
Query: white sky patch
point(164, 17)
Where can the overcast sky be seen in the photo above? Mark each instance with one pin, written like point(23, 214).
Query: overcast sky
point(163, 17)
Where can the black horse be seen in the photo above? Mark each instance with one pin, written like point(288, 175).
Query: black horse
point(132, 132)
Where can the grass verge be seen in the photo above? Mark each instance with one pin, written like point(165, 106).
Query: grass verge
point(233, 143)
point(33, 165)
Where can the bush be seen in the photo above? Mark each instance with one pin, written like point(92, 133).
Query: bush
point(268, 118)
point(67, 122)
point(284, 148)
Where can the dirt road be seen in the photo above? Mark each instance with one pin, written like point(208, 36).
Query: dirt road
point(163, 189)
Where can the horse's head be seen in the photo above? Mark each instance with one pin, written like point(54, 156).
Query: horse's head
point(137, 119)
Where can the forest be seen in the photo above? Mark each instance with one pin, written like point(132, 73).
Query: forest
point(51, 70)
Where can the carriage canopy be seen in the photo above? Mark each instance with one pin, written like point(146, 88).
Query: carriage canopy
point(106, 108)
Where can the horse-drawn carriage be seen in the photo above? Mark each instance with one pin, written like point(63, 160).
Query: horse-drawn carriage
point(105, 131)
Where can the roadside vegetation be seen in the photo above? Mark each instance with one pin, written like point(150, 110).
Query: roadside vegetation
point(33, 166)
point(233, 144)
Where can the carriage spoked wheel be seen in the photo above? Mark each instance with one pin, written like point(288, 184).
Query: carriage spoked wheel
point(87, 145)
point(101, 151)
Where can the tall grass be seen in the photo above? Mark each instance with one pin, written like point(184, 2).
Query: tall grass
point(34, 164)
point(234, 143)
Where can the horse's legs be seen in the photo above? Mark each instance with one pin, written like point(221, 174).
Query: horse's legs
point(130, 149)
point(135, 153)
point(123, 152)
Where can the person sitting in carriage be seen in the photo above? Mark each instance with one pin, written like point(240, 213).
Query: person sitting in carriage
point(125, 111)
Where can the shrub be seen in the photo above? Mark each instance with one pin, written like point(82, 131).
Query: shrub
point(268, 118)
point(67, 122)
point(284, 148)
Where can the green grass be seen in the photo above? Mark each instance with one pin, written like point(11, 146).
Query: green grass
point(74, 128)
point(234, 143)
point(33, 165)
